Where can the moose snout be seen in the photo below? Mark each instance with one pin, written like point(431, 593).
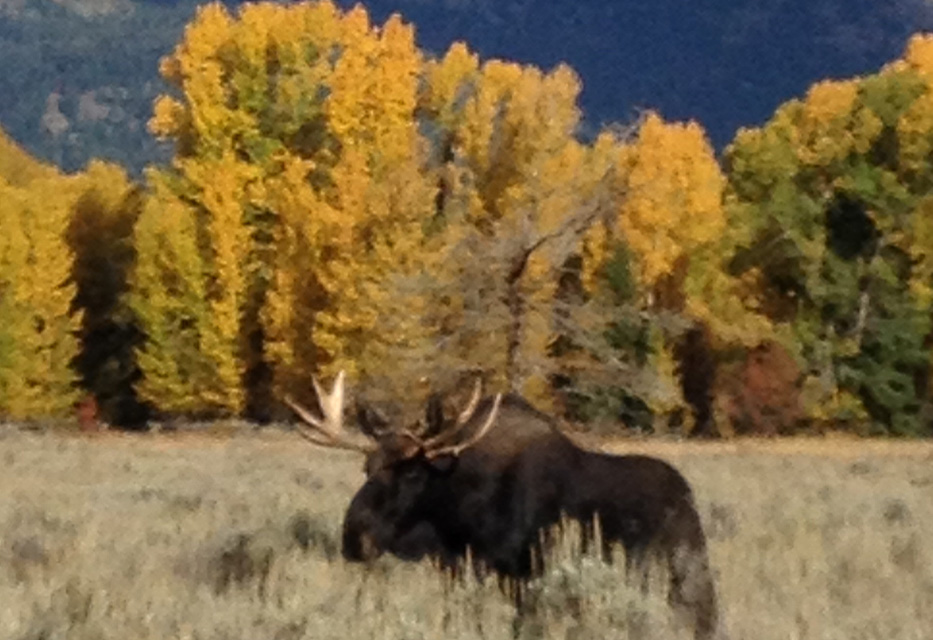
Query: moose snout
point(360, 543)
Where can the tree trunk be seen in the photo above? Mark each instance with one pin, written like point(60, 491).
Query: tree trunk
point(515, 303)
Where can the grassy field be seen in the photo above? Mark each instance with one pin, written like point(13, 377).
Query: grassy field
point(122, 537)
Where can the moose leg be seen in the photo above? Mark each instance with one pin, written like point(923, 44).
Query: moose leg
point(637, 567)
point(692, 592)
point(692, 595)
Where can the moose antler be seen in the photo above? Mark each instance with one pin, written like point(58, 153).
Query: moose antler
point(328, 432)
point(456, 439)
point(435, 449)
point(470, 409)
point(452, 432)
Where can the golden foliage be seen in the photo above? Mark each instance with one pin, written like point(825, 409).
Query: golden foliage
point(514, 179)
point(37, 326)
point(918, 54)
point(346, 185)
point(316, 154)
point(921, 250)
point(447, 81)
point(294, 296)
point(601, 237)
point(673, 196)
point(831, 125)
point(225, 189)
point(915, 126)
point(727, 305)
point(187, 297)
point(17, 167)
point(196, 68)
point(367, 223)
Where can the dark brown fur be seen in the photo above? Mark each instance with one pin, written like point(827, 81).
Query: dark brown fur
point(498, 496)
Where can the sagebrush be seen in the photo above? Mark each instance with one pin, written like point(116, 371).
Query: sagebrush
point(197, 538)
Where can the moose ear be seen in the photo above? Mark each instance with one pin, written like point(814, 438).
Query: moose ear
point(371, 422)
point(434, 416)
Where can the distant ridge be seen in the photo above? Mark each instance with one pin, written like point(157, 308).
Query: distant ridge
point(724, 63)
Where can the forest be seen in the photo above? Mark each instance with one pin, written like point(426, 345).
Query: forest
point(338, 199)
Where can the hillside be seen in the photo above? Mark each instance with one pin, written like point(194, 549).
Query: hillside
point(724, 63)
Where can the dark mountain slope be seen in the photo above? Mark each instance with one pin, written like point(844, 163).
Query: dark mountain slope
point(724, 63)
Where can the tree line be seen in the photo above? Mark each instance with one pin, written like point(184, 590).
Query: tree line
point(340, 200)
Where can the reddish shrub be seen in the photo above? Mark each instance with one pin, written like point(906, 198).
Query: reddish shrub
point(88, 414)
point(762, 393)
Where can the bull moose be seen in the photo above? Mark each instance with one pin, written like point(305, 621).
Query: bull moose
point(495, 479)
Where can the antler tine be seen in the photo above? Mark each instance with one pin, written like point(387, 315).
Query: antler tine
point(452, 431)
point(331, 404)
point(331, 427)
point(470, 409)
point(331, 440)
point(306, 433)
point(457, 448)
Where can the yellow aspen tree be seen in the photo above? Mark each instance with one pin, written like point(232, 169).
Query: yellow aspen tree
point(600, 237)
point(251, 88)
point(253, 83)
point(470, 101)
point(829, 126)
point(224, 191)
point(446, 82)
point(14, 316)
point(295, 296)
point(673, 197)
point(19, 168)
point(212, 258)
point(188, 289)
point(380, 198)
point(317, 108)
point(38, 329)
point(191, 236)
point(517, 189)
point(552, 194)
point(670, 208)
point(205, 122)
point(915, 127)
point(168, 296)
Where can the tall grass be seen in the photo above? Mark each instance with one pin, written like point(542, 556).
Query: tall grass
point(189, 538)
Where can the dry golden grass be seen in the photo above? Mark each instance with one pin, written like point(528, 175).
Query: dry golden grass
point(196, 538)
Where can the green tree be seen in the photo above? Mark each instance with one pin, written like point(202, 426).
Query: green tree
point(656, 265)
point(834, 191)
